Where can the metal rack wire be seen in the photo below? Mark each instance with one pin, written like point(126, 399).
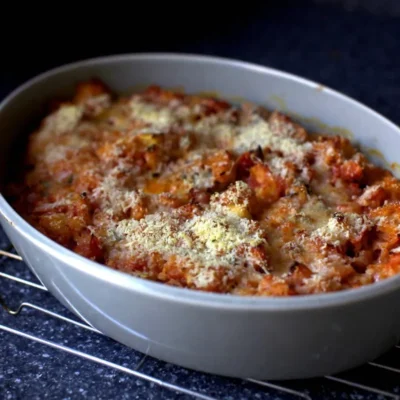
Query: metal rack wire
point(345, 385)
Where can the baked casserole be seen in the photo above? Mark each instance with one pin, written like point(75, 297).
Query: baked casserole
point(197, 192)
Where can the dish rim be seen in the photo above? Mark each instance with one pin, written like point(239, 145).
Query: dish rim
point(178, 294)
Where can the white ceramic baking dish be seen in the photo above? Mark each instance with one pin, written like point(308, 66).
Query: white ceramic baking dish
point(264, 338)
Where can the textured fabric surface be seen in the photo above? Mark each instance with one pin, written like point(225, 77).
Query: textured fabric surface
point(382, 7)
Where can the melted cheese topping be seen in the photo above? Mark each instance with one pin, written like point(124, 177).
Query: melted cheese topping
point(199, 193)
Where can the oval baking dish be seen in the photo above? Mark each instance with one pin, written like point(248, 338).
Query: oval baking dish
point(246, 337)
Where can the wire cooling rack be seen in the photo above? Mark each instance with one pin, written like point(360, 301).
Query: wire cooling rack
point(376, 380)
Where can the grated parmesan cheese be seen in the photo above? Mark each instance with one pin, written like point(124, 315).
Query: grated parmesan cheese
point(51, 206)
point(258, 133)
point(208, 239)
point(236, 200)
point(158, 118)
point(333, 232)
point(204, 278)
point(95, 105)
point(115, 199)
point(63, 120)
point(278, 166)
point(338, 231)
point(58, 152)
point(368, 194)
